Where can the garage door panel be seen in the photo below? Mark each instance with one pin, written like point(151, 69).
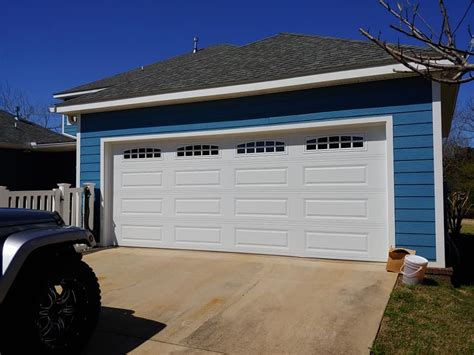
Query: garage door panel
point(334, 175)
point(272, 176)
point(319, 241)
point(332, 208)
point(198, 206)
point(197, 235)
point(139, 233)
point(197, 178)
point(262, 238)
point(328, 204)
point(264, 207)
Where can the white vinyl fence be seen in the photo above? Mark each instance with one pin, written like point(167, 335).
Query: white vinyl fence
point(74, 204)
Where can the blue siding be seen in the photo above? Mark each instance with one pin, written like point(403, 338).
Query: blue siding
point(69, 129)
point(407, 100)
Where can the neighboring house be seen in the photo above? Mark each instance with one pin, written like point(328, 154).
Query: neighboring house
point(292, 145)
point(33, 157)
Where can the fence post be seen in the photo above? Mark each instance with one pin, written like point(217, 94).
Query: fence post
point(89, 193)
point(3, 196)
point(57, 207)
point(65, 203)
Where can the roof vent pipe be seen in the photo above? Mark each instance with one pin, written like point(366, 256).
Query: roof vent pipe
point(195, 40)
point(17, 116)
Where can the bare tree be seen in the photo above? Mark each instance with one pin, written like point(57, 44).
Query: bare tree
point(11, 99)
point(445, 62)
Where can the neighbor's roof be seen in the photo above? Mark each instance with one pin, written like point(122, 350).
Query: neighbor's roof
point(26, 132)
point(281, 56)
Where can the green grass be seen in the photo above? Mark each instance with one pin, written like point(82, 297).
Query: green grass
point(433, 318)
point(467, 229)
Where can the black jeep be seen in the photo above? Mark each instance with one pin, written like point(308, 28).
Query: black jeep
point(49, 298)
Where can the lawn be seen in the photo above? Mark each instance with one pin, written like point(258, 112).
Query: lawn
point(433, 318)
point(468, 226)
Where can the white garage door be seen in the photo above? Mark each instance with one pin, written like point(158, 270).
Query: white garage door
point(317, 193)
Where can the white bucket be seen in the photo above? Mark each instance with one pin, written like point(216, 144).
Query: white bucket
point(413, 269)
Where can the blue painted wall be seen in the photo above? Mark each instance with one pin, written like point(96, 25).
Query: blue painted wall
point(408, 100)
point(69, 129)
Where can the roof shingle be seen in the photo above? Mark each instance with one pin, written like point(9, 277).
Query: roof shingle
point(281, 56)
point(26, 132)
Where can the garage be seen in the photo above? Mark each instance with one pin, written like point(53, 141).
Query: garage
point(319, 192)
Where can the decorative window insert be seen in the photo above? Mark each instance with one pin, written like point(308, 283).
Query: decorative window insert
point(142, 153)
point(197, 150)
point(261, 147)
point(336, 142)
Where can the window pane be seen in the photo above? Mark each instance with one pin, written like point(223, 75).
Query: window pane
point(180, 154)
point(345, 138)
point(334, 139)
point(322, 146)
point(250, 150)
point(269, 143)
point(270, 149)
point(311, 147)
point(333, 145)
point(358, 144)
point(357, 138)
point(346, 145)
point(240, 151)
point(260, 150)
point(205, 152)
point(322, 139)
point(280, 149)
point(214, 152)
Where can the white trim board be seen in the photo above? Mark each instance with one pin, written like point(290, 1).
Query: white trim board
point(76, 93)
point(232, 91)
point(106, 163)
point(438, 175)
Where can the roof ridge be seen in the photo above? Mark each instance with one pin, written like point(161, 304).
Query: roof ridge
point(347, 39)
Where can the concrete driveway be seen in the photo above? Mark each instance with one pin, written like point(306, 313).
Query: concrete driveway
point(168, 301)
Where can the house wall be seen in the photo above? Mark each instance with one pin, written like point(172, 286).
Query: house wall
point(409, 100)
point(70, 129)
point(27, 170)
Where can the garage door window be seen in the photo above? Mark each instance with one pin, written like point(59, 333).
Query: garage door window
point(142, 153)
point(259, 147)
point(335, 142)
point(197, 150)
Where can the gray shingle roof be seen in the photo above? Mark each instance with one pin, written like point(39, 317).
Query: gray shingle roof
point(26, 132)
point(281, 56)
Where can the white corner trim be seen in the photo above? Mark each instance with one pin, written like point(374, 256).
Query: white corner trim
point(438, 175)
point(78, 152)
point(106, 161)
point(281, 85)
point(76, 93)
point(390, 181)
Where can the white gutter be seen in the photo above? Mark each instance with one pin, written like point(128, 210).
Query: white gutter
point(76, 93)
point(232, 91)
point(62, 146)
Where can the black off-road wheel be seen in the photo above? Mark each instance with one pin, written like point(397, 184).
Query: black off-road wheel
point(51, 310)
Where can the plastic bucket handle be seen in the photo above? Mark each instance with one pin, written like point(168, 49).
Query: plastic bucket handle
point(410, 275)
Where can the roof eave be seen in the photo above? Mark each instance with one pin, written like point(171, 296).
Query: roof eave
point(54, 147)
point(273, 86)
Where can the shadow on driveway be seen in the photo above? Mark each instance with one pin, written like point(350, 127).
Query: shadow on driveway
point(120, 332)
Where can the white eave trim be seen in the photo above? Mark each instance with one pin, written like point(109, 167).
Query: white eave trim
point(298, 83)
point(62, 146)
point(76, 93)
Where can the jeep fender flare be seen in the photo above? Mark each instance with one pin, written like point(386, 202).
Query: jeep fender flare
point(19, 246)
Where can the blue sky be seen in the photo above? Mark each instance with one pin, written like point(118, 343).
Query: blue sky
point(48, 46)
